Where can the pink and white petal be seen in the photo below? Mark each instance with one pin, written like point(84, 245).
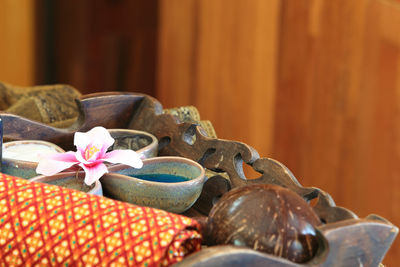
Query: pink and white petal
point(81, 141)
point(68, 156)
point(100, 137)
point(102, 145)
point(54, 163)
point(104, 149)
point(93, 173)
point(98, 153)
point(97, 161)
point(126, 157)
point(80, 157)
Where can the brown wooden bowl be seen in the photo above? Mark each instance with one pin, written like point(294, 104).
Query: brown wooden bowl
point(349, 240)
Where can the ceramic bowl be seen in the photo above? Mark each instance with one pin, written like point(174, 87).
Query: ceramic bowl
point(71, 180)
point(122, 183)
point(20, 158)
point(144, 143)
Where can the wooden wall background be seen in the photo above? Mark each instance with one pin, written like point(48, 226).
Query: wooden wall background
point(312, 83)
point(17, 42)
point(103, 45)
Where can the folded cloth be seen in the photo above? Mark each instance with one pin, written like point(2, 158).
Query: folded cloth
point(47, 225)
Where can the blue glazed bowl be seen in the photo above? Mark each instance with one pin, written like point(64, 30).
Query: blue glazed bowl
point(155, 184)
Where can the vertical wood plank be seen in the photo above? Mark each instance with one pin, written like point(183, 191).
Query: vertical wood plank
point(382, 171)
point(294, 94)
point(110, 46)
point(176, 52)
point(338, 93)
point(17, 42)
point(221, 57)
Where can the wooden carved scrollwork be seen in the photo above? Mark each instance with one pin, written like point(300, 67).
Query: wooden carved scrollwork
point(189, 140)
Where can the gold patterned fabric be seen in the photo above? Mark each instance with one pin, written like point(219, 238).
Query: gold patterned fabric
point(47, 225)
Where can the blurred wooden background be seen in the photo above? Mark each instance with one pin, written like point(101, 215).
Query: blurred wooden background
point(17, 42)
point(312, 83)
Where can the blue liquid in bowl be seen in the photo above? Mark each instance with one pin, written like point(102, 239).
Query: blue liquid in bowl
point(161, 177)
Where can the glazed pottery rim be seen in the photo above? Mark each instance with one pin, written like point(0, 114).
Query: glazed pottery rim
point(44, 178)
point(28, 162)
point(153, 143)
point(199, 178)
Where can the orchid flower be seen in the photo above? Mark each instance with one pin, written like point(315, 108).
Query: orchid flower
point(90, 156)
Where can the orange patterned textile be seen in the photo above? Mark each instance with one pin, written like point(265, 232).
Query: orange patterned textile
point(46, 225)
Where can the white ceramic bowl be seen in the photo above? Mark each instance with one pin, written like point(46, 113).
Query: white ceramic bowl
point(20, 158)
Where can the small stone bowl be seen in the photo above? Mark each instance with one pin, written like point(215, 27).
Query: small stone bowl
point(144, 143)
point(173, 196)
point(71, 180)
point(23, 164)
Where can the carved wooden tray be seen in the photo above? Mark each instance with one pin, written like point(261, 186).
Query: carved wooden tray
point(346, 240)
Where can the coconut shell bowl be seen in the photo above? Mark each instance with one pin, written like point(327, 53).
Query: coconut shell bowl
point(266, 221)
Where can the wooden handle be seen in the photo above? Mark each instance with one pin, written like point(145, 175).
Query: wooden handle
point(110, 110)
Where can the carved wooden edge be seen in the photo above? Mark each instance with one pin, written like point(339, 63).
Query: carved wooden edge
point(345, 243)
point(373, 234)
point(233, 257)
point(356, 242)
point(189, 140)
